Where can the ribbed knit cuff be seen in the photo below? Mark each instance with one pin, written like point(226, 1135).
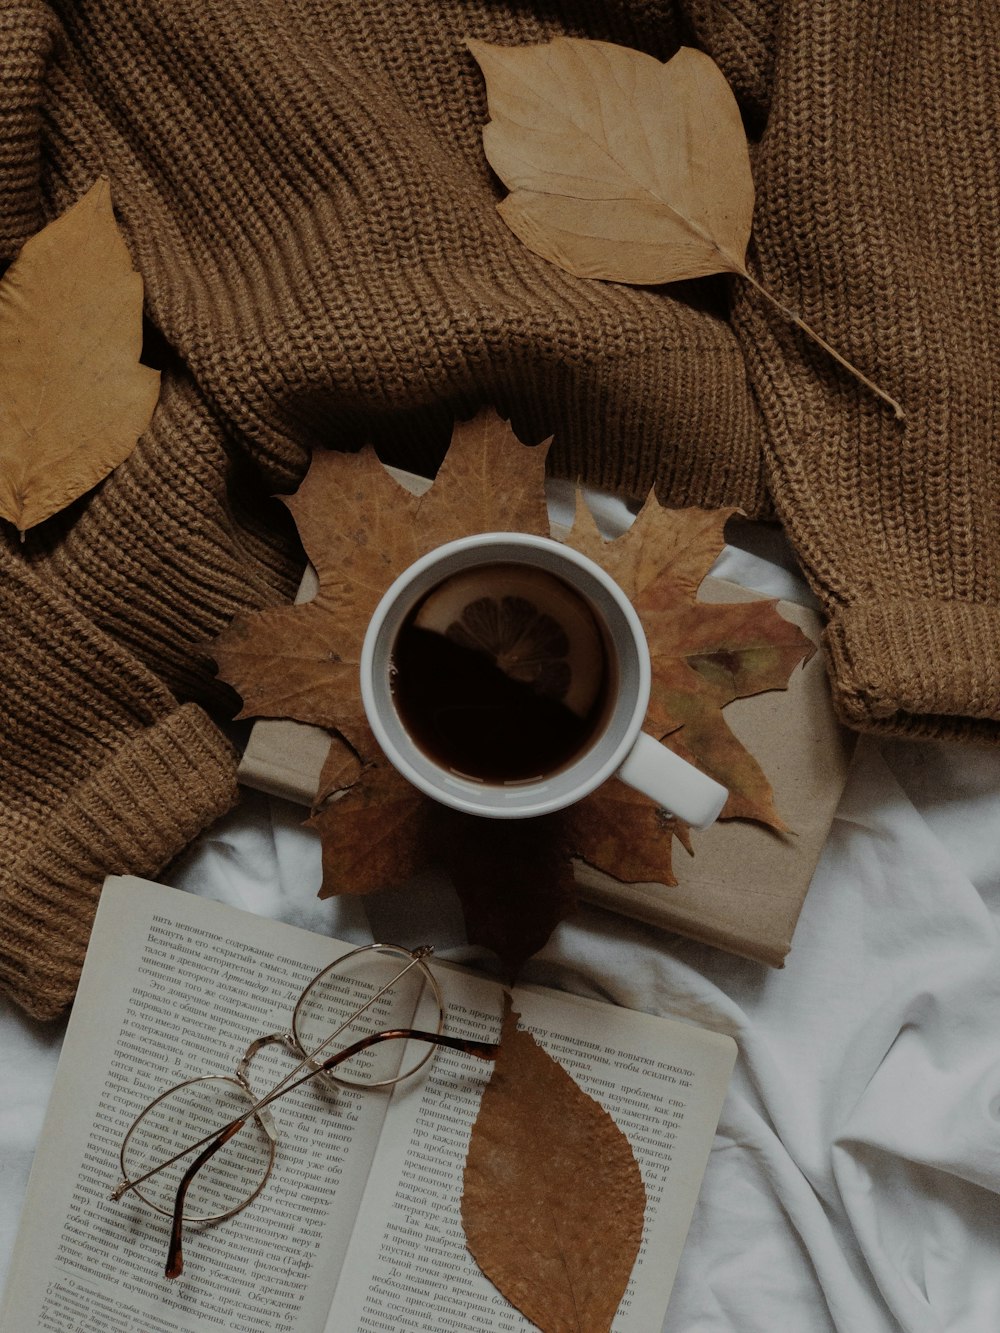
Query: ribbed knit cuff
point(924, 669)
point(137, 811)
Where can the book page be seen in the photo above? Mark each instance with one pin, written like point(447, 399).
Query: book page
point(663, 1082)
point(177, 986)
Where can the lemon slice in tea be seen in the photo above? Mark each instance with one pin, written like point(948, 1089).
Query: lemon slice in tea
point(531, 624)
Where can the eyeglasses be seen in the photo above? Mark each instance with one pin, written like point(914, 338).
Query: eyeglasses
point(229, 1127)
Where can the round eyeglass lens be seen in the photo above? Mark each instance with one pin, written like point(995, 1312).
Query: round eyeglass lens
point(181, 1117)
point(370, 990)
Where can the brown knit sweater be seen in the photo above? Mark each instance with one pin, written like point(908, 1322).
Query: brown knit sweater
point(303, 187)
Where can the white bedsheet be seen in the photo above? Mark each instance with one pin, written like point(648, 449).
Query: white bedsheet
point(855, 1180)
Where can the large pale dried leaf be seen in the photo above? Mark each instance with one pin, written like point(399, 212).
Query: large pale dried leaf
point(553, 1203)
point(360, 529)
point(623, 168)
point(619, 166)
point(74, 398)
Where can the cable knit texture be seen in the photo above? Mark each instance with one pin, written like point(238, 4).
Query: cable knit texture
point(302, 185)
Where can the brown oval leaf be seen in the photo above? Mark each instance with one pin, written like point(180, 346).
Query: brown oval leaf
point(553, 1201)
point(74, 398)
point(620, 167)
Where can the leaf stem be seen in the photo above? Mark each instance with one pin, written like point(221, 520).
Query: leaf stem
point(811, 332)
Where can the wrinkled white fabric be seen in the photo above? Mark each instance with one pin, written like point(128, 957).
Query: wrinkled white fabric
point(855, 1181)
point(854, 1185)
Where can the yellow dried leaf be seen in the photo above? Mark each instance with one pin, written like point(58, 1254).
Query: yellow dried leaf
point(624, 168)
point(74, 398)
point(620, 167)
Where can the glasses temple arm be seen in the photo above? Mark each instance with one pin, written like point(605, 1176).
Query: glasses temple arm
point(417, 959)
point(485, 1050)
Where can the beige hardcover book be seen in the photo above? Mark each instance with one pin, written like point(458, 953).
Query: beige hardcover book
point(359, 1225)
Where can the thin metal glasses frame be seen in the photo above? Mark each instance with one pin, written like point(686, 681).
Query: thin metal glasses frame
point(258, 1111)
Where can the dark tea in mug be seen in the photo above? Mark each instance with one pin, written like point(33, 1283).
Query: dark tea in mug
point(502, 674)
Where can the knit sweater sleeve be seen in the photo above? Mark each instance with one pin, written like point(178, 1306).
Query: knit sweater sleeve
point(101, 772)
point(878, 220)
point(104, 615)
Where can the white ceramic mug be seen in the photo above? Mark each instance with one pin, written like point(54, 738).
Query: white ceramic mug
point(618, 746)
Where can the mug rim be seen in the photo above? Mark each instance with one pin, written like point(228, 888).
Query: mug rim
point(460, 793)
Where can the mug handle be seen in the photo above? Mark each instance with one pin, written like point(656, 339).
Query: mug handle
point(670, 780)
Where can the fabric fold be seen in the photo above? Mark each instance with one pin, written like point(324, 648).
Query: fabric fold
point(27, 33)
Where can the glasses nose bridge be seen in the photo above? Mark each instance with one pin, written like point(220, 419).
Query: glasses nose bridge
point(285, 1039)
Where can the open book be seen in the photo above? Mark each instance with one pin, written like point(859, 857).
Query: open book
point(358, 1229)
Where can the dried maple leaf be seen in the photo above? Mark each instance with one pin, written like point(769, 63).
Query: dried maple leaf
point(74, 398)
point(553, 1203)
point(514, 877)
point(704, 654)
point(372, 832)
point(624, 168)
point(361, 528)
